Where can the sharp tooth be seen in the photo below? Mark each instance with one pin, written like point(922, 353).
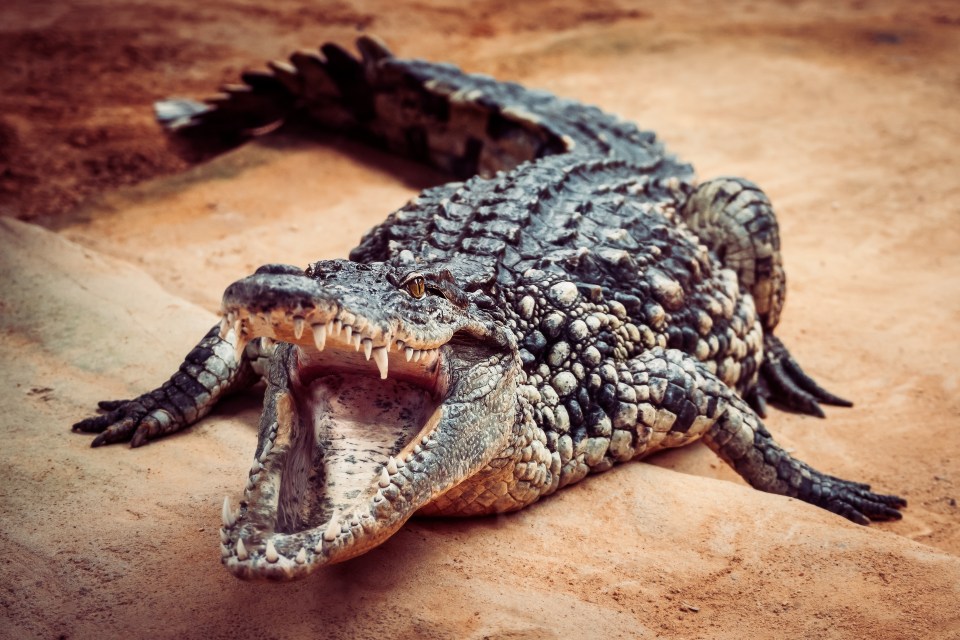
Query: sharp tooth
point(400, 462)
point(367, 347)
point(224, 536)
point(266, 450)
point(417, 355)
point(228, 518)
point(224, 551)
point(301, 556)
point(271, 554)
point(357, 339)
point(335, 327)
point(298, 324)
point(241, 550)
point(408, 352)
point(319, 335)
point(332, 531)
point(349, 331)
point(255, 469)
point(319, 546)
point(392, 465)
point(380, 357)
point(224, 327)
point(384, 480)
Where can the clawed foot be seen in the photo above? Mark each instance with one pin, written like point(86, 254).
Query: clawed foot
point(855, 501)
point(782, 380)
point(137, 421)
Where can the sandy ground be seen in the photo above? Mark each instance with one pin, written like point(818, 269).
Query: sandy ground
point(846, 113)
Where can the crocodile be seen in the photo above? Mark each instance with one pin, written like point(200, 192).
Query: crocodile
point(572, 300)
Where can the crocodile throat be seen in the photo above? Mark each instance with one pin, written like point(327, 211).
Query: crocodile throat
point(346, 428)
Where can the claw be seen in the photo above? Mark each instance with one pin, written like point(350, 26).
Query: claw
point(141, 436)
point(115, 432)
point(757, 398)
point(787, 390)
point(110, 405)
point(855, 501)
point(810, 385)
point(782, 379)
point(95, 424)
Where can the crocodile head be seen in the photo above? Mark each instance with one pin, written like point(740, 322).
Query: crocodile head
point(388, 386)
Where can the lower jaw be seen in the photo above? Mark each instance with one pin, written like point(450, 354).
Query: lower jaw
point(319, 496)
point(272, 555)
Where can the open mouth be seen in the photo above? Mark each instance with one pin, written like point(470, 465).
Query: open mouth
point(347, 423)
point(380, 401)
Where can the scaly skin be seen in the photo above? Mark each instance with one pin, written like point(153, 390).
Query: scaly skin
point(579, 301)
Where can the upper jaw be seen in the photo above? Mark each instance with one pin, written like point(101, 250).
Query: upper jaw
point(291, 307)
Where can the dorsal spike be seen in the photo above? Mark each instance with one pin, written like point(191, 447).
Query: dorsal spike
point(373, 49)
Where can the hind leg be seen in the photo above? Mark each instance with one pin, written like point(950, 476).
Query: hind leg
point(735, 219)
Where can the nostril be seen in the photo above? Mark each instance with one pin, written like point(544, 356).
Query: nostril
point(279, 269)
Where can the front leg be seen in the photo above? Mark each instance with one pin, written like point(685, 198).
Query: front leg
point(210, 371)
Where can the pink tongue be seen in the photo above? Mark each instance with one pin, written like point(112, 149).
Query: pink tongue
point(358, 423)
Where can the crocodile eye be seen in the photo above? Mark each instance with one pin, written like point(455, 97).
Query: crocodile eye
point(415, 285)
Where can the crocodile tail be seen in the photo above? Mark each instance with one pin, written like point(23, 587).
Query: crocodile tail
point(330, 86)
point(460, 123)
point(434, 113)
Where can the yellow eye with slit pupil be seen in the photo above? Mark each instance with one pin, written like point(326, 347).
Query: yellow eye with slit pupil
point(416, 287)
